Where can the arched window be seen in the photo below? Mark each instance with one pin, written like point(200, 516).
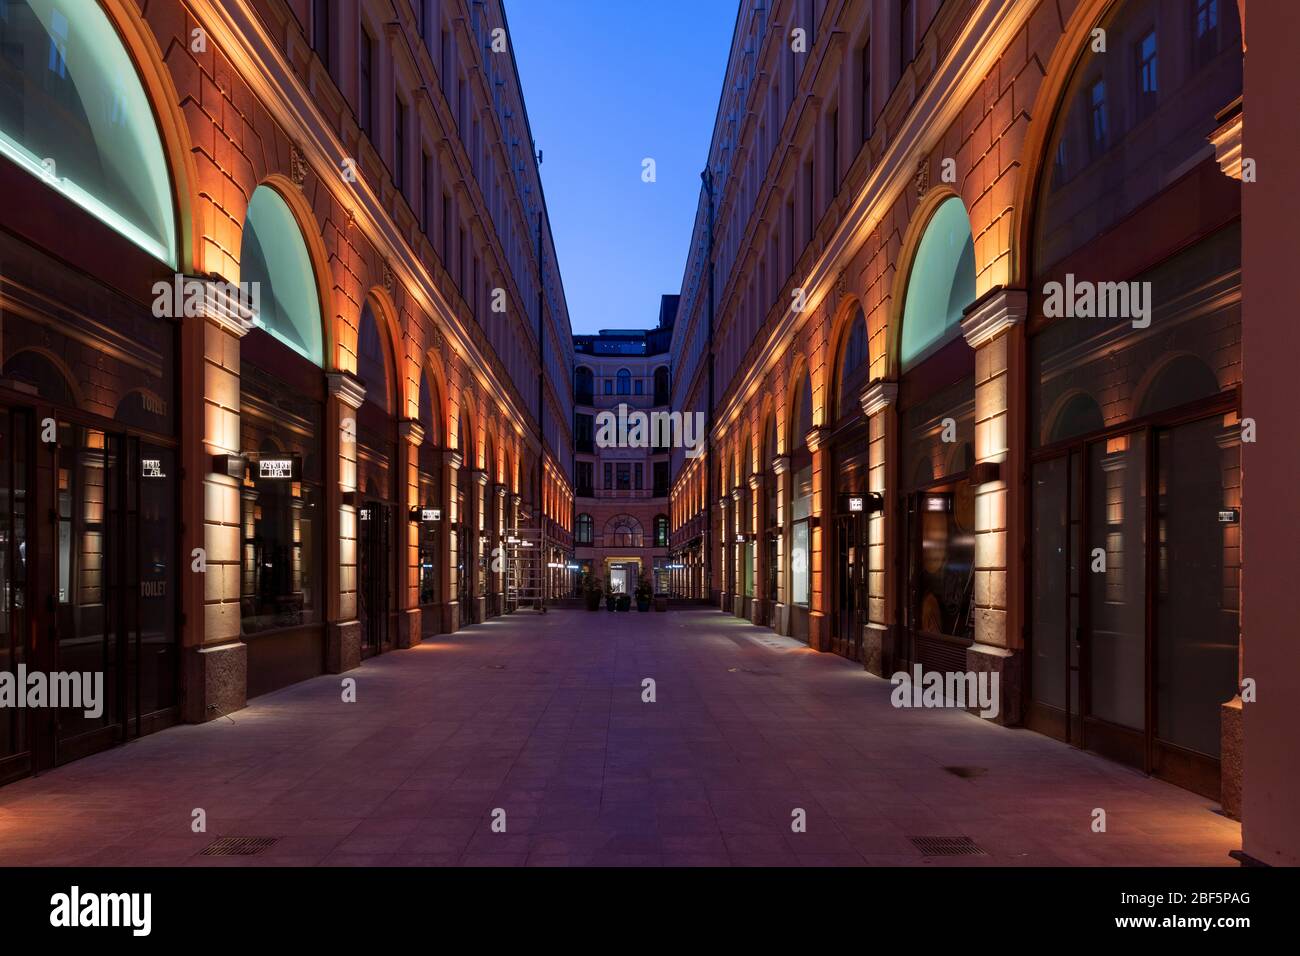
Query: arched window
point(661, 531)
point(623, 531)
point(624, 382)
point(430, 410)
point(273, 254)
point(941, 284)
point(663, 392)
point(853, 366)
point(801, 420)
point(585, 529)
point(372, 362)
point(583, 385)
point(75, 115)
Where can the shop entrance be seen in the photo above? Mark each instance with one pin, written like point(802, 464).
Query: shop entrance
point(1134, 598)
point(464, 572)
point(104, 571)
point(375, 598)
point(849, 612)
point(938, 612)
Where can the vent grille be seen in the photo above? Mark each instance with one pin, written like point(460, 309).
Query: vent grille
point(947, 846)
point(239, 846)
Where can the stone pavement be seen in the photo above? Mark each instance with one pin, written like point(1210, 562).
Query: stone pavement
point(542, 717)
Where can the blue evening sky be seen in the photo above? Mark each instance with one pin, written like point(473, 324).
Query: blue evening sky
point(607, 84)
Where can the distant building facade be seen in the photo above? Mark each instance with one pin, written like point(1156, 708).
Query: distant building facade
point(620, 482)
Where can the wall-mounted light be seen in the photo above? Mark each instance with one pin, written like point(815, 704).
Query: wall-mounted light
point(986, 471)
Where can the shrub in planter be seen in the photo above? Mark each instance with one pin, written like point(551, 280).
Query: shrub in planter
point(611, 601)
point(624, 602)
point(643, 596)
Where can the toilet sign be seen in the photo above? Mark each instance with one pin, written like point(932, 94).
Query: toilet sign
point(855, 504)
point(151, 468)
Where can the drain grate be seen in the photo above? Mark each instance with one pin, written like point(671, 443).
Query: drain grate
point(239, 846)
point(494, 667)
point(967, 772)
point(947, 846)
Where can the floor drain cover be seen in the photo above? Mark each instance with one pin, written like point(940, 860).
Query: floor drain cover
point(239, 846)
point(494, 667)
point(946, 846)
point(967, 772)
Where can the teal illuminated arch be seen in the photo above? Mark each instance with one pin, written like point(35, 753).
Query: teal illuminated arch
point(80, 120)
point(273, 254)
point(941, 284)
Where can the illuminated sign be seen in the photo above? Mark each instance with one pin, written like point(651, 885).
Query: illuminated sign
point(855, 503)
point(938, 503)
point(430, 514)
point(1230, 516)
point(275, 468)
point(151, 468)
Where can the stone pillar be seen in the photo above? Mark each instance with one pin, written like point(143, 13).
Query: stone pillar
point(448, 543)
point(343, 632)
point(410, 435)
point(994, 328)
point(215, 659)
point(477, 569)
point(781, 605)
point(724, 550)
point(758, 612)
point(879, 651)
point(819, 636)
point(737, 549)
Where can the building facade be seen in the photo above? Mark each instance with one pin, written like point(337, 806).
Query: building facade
point(621, 473)
point(275, 285)
point(962, 307)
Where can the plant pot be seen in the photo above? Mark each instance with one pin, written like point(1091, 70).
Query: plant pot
point(611, 602)
point(643, 605)
point(661, 604)
point(624, 603)
point(593, 601)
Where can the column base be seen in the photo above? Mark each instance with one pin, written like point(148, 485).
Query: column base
point(216, 681)
point(981, 658)
point(724, 601)
point(450, 617)
point(342, 646)
point(780, 621)
point(1231, 756)
point(819, 631)
point(877, 648)
point(409, 624)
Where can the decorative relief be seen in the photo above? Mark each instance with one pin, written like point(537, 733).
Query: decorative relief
point(923, 176)
point(297, 165)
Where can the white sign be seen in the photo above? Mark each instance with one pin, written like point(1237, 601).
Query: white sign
point(431, 514)
point(151, 468)
point(275, 468)
point(855, 503)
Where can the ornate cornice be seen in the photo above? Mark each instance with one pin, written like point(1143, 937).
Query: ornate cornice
point(878, 396)
point(992, 314)
point(347, 388)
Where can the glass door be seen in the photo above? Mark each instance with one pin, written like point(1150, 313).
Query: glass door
point(373, 602)
point(850, 585)
point(16, 743)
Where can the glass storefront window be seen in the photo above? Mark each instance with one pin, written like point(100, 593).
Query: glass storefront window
point(280, 583)
point(429, 544)
point(801, 509)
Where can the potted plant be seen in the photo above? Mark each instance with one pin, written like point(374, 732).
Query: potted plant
point(591, 592)
point(611, 599)
point(643, 595)
point(624, 602)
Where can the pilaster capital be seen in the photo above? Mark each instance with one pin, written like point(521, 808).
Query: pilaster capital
point(411, 430)
point(347, 388)
point(878, 396)
point(231, 312)
point(816, 437)
point(723, 502)
point(735, 495)
point(1227, 139)
point(454, 459)
point(755, 481)
point(780, 464)
point(478, 476)
point(992, 314)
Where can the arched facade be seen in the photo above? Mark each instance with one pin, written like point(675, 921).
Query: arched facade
point(953, 400)
point(271, 359)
